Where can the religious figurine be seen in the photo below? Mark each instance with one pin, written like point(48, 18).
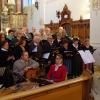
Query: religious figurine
point(5, 10)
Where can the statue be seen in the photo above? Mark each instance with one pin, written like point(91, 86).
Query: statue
point(5, 11)
point(4, 18)
point(96, 4)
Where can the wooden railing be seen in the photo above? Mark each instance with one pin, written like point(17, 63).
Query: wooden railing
point(74, 89)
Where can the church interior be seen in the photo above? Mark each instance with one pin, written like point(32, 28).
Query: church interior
point(49, 49)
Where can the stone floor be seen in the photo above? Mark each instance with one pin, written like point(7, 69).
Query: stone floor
point(96, 83)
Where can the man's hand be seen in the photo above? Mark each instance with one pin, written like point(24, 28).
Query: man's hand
point(11, 58)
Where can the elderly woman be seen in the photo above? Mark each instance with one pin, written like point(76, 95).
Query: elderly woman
point(57, 72)
point(35, 49)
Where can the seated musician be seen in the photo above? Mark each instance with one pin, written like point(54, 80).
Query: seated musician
point(23, 64)
point(57, 72)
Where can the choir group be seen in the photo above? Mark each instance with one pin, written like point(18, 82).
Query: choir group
point(55, 54)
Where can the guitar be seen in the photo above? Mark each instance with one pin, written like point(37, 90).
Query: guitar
point(31, 73)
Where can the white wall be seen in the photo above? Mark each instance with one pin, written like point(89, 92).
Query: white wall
point(95, 33)
point(77, 8)
point(47, 11)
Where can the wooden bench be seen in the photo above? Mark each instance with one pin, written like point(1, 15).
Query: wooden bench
point(74, 89)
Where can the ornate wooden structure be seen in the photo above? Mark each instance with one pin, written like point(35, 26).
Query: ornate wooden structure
point(79, 28)
point(66, 21)
point(17, 21)
point(14, 19)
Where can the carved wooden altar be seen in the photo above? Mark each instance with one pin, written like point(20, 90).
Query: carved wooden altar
point(17, 21)
point(78, 28)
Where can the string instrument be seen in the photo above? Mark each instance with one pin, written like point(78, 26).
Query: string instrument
point(31, 73)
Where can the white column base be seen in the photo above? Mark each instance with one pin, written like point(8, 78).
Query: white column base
point(96, 53)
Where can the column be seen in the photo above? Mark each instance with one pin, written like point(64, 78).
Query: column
point(19, 6)
point(38, 18)
point(95, 28)
point(0, 13)
point(42, 12)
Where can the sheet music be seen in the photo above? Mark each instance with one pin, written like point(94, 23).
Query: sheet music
point(90, 56)
point(86, 56)
point(46, 55)
point(83, 56)
point(35, 49)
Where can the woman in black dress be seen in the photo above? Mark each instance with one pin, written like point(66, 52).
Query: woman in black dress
point(67, 55)
point(77, 63)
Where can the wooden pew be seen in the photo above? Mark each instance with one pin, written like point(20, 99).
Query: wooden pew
point(74, 89)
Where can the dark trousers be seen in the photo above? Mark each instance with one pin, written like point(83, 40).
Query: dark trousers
point(77, 65)
point(8, 79)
